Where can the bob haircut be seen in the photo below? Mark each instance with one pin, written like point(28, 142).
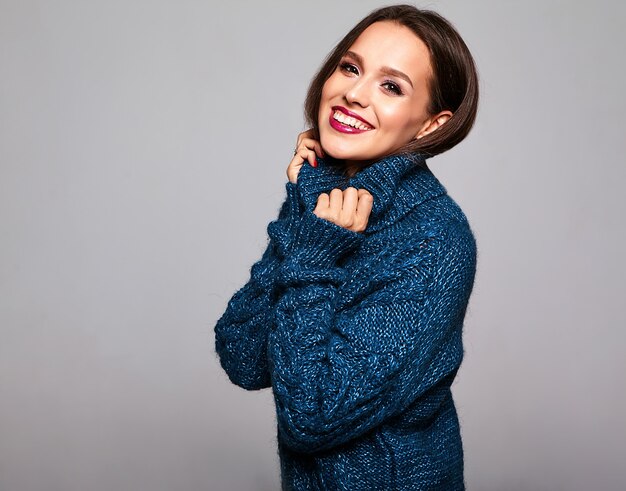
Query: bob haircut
point(453, 85)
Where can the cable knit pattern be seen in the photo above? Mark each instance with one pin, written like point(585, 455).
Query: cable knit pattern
point(359, 335)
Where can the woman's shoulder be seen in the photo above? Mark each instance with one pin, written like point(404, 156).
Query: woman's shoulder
point(435, 233)
point(439, 217)
point(432, 240)
point(443, 230)
point(442, 216)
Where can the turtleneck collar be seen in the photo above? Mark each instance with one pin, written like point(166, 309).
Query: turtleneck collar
point(398, 184)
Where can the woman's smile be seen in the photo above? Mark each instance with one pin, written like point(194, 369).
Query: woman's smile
point(345, 121)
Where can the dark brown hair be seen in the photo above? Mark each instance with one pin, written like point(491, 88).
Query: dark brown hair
point(453, 85)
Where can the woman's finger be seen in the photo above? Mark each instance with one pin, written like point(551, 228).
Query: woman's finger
point(335, 204)
point(312, 145)
point(293, 169)
point(304, 154)
point(364, 207)
point(323, 200)
point(350, 199)
point(321, 208)
point(305, 134)
point(336, 201)
point(301, 136)
point(307, 148)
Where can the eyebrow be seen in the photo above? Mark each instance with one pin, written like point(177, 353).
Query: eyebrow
point(387, 70)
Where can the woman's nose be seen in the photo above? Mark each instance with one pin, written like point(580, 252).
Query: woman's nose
point(357, 94)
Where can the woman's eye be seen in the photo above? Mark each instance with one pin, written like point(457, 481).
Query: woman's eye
point(349, 67)
point(392, 87)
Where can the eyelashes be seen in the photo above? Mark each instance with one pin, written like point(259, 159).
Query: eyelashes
point(348, 67)
point(389, 85)
point(393, 87)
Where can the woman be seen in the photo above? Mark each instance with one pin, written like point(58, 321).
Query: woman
point(354, 314)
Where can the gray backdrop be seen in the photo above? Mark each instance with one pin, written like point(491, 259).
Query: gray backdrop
point(143, 149)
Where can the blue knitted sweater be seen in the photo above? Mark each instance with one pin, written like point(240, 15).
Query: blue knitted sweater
point(359, 335)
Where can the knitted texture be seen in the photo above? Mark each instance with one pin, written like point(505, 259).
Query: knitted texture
point(359, 335)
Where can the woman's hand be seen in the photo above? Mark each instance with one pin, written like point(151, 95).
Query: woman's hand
point(306, 149)
point(350, 208)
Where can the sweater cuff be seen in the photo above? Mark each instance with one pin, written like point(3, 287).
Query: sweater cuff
point(293, 199)
point(281, 230)
point(320, 243)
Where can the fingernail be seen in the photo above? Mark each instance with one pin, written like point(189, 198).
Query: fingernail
point(314, 162)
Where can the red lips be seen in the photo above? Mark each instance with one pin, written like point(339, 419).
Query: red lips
point(344, 128)
point(350, 113)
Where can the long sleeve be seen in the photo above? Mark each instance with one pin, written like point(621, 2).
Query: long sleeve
point(241, 332)
point(339, 370)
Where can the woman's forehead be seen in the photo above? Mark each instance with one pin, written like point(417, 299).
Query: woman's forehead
point(389, 44)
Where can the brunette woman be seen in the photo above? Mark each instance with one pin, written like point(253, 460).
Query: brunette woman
point(354, 314)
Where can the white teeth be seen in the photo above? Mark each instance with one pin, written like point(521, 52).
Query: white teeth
point(350, 121)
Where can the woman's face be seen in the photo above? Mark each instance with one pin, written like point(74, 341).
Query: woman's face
point(376, 99)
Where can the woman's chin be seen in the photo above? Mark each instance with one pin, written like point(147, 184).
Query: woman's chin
point(343, 149)
point(341, 153)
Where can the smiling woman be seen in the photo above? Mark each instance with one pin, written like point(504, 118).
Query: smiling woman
point(443, 66)
point(354, 314)
point(384, 77)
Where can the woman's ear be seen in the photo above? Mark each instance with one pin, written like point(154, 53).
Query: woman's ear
point(432, 123)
